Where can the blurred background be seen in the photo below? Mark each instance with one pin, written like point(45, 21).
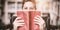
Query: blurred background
point(50, 12)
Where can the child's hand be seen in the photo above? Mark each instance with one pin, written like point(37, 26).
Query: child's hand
point(18, 22)
point(38, 20)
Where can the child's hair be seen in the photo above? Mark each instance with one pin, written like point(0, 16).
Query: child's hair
point(28, 1)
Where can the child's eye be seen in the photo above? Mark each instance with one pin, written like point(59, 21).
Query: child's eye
point(25, 8)
point(31, 8)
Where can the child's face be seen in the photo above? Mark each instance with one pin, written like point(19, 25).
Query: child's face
point(28, 6)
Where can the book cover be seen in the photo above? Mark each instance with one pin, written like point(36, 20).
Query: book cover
point(28, 17)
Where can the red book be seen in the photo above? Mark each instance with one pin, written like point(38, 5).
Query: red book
point(28, 17)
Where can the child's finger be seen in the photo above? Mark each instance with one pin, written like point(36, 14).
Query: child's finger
point(20, 21)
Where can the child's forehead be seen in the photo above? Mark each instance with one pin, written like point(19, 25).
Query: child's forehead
point(28, 4)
